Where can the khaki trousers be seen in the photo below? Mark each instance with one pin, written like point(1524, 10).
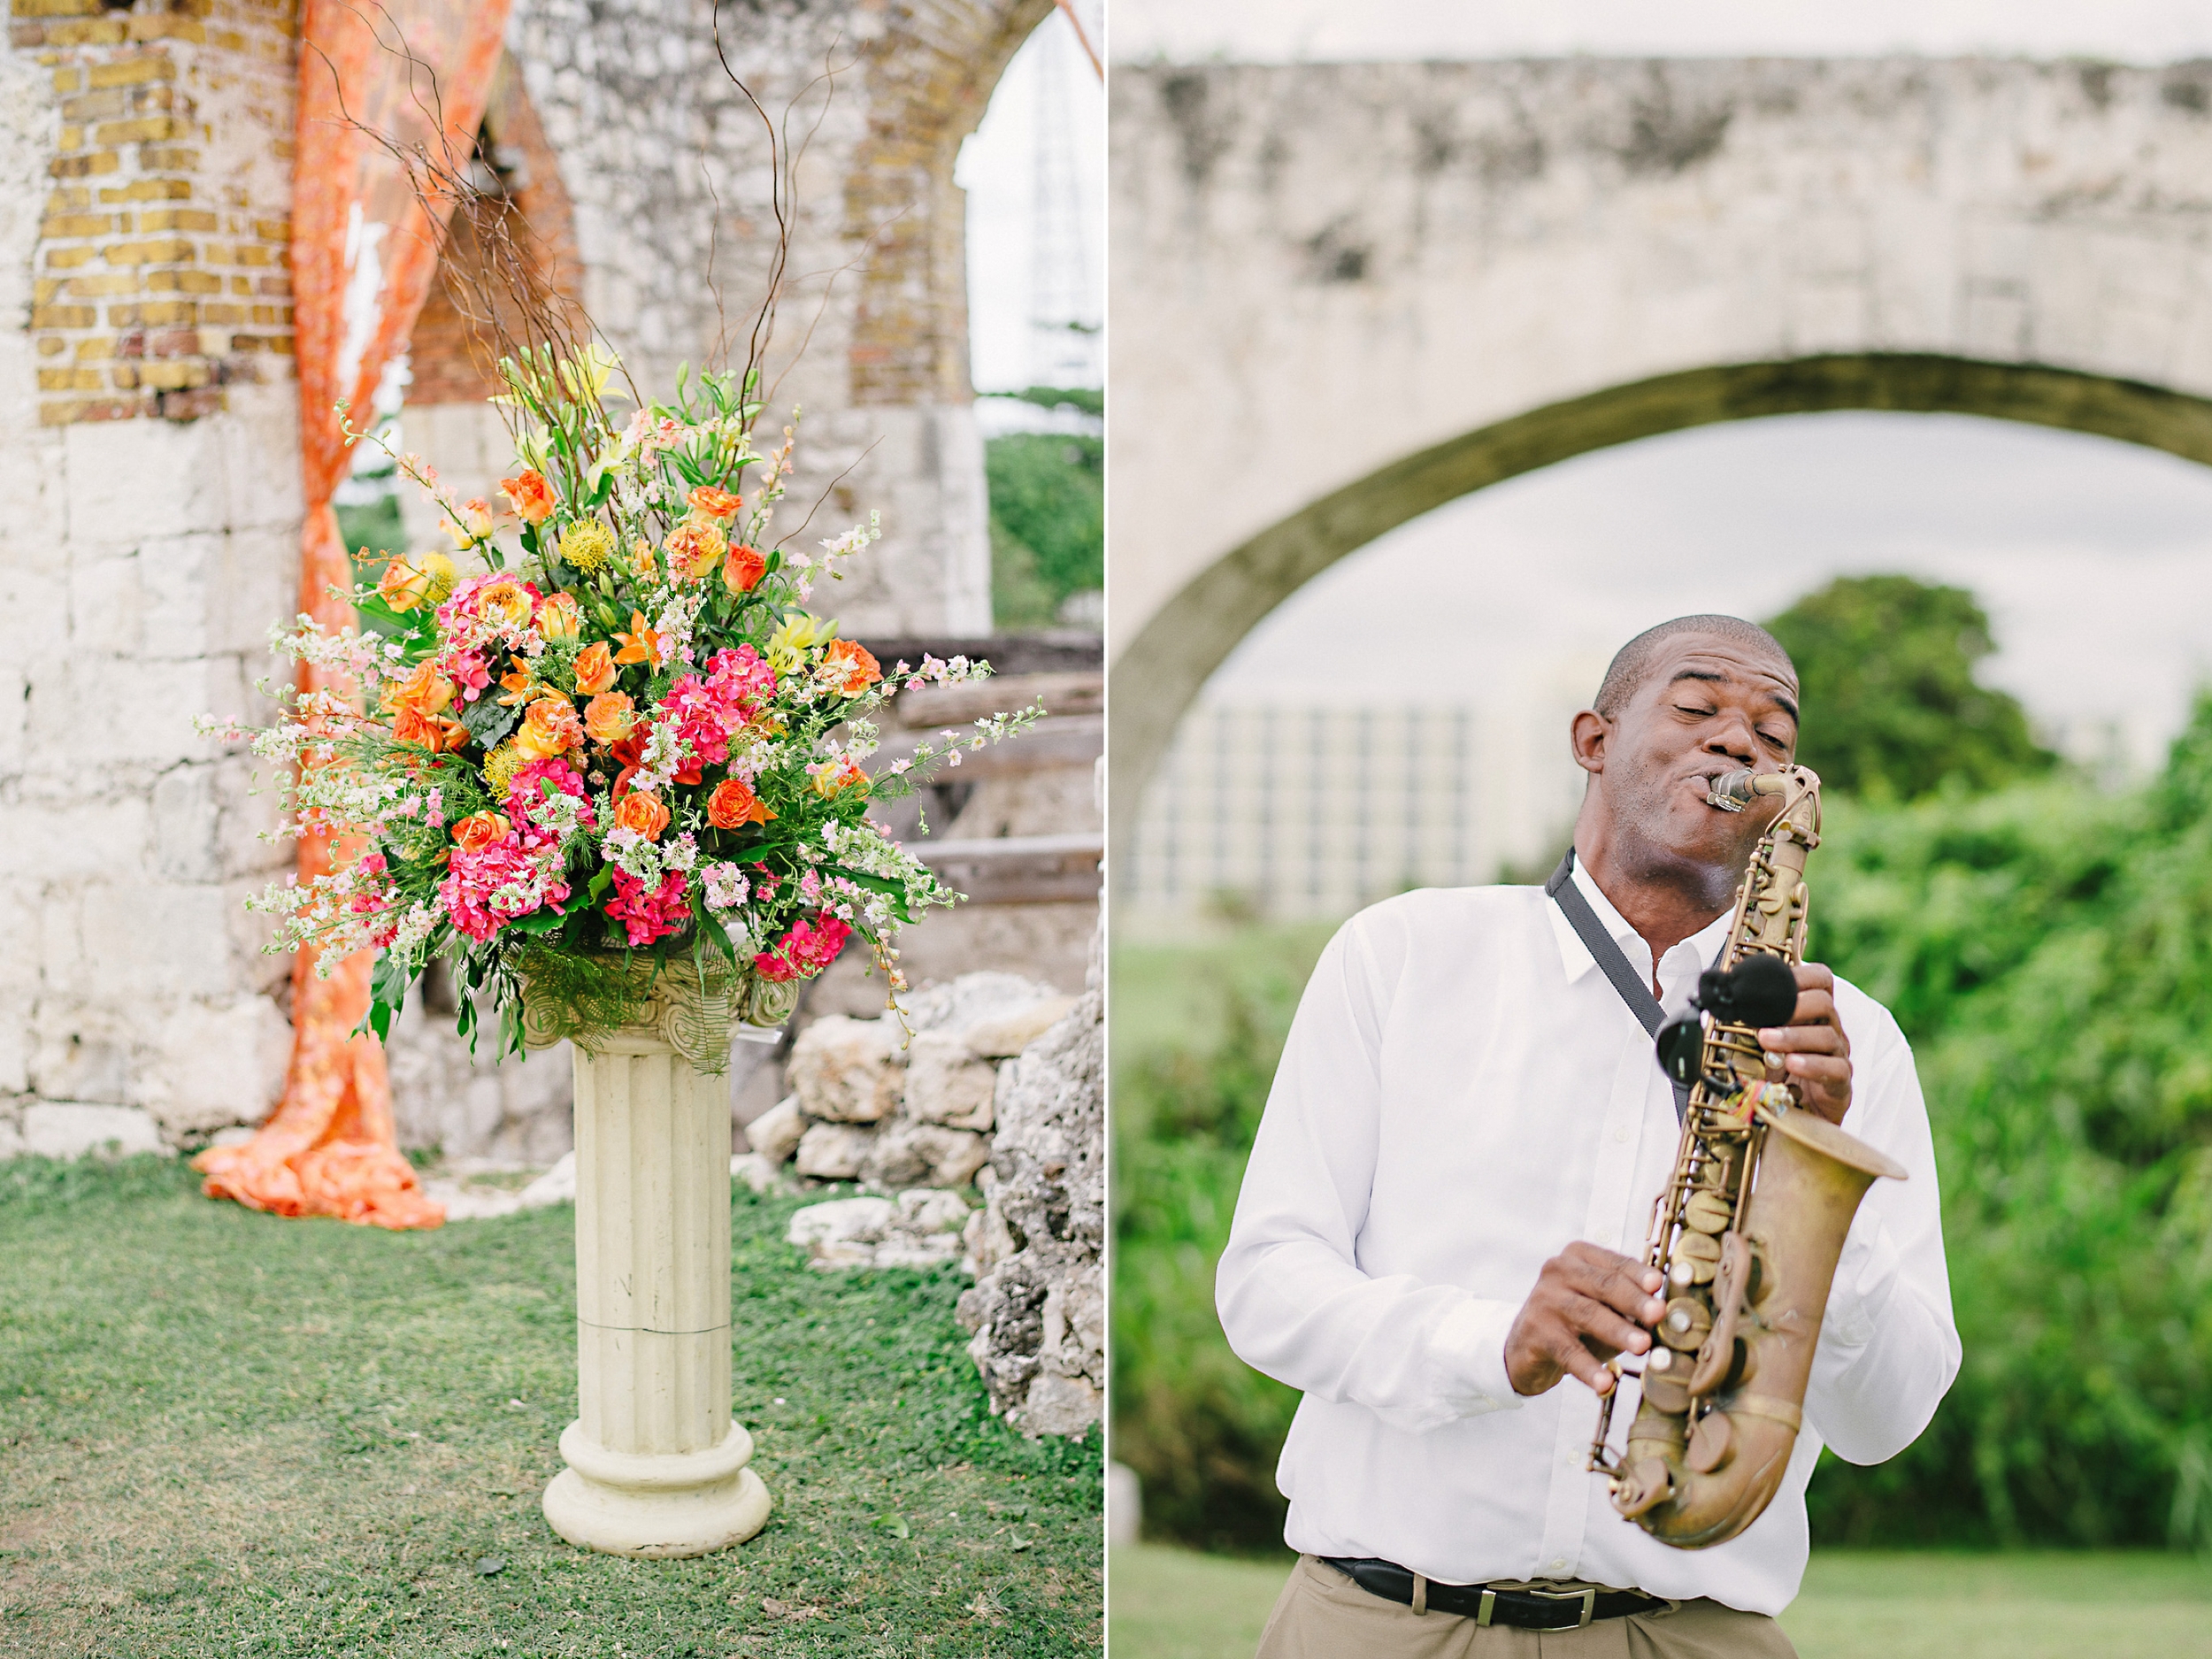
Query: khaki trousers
point(1322, 1615)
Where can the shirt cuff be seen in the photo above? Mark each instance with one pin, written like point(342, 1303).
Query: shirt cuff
point(1470, 1352)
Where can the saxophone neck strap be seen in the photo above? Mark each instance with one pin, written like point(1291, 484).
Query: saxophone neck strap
point(1612, 962)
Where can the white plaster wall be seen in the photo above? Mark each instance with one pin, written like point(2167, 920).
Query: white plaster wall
point(1317, 271)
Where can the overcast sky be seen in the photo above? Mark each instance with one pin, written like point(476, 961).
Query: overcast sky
point(1278, 31)
point(997, 169)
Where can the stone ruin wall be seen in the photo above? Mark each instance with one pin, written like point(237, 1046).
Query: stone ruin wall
point(149, 446)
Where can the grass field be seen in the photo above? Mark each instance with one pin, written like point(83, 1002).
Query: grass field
point(1172, 994)
point(1170, 1605)
point(225, 1433)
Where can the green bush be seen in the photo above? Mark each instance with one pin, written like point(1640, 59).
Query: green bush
point(1048, 523)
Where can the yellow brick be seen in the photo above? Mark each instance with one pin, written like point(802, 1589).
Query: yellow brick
point(173, 376)
point(67, 258)
point(241, 285)
point(43, 290)
point(55, 8)
point(145, 129)
point(64, 317)
point(125, 374)
point(88, 350)
point(273, 229)
point(60, 225)
point(68, 199)
point(149, 190)
point(69, 381)
point(52, 345)
point(184, 281)
point(168, 312)
point(83, 166)
point(167, 252)
point(130, 71)
point(166, 28)
point(72, 138)
point(177, 218)
point(91, 32)
point(112, 282)
point(253, 253)
point(163, 160)
point(68, 79)
point(96, 106)
point(225, 314)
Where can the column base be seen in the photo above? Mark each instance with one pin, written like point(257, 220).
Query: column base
point(677, 1503)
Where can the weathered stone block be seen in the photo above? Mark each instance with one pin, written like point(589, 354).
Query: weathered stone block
point(946, 1083)
point(71, 1129)
point(833, 1152)
point(1002, 1036)
point(776, 1133)
point(848, 1071)
point(907, 1154)
point(212, 1066)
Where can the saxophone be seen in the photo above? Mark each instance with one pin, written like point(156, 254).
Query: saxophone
point(1748, 1228)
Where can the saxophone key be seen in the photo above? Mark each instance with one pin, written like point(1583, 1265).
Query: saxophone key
point(1709, 1212)
point(1711, 1442)
point(1696, 1259)
point(1683, 1325)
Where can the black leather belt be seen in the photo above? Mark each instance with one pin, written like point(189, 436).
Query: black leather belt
point(1524, 1610)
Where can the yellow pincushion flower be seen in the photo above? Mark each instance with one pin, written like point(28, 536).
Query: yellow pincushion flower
point(588, 545)
point(501, 765)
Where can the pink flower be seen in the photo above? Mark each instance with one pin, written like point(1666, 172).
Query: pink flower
point(485, 890)
point(524, 798)
point(804, 951)
point(644, 916)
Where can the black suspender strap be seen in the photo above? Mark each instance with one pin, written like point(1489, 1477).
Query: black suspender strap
point(1610, 960)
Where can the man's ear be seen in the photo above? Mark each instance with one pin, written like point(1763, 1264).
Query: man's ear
point(1587, 736)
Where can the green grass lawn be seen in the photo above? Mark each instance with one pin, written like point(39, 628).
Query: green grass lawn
point(1856, 1604)
point(1169, 994)
point(225, 1433)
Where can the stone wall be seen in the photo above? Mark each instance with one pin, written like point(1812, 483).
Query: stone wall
point(149, 458)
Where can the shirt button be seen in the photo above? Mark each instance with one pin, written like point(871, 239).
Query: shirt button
point(1621, 1133)
point(1559, 1563)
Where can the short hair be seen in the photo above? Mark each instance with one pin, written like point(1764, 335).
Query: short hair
point(1631, 665)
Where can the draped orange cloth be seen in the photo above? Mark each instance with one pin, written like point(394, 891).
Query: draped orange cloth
point(364, 248)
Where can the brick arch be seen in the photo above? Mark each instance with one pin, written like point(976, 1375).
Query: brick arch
point(1367, 288)
point(449, 356)
point(930, 77)
point(1161, 670)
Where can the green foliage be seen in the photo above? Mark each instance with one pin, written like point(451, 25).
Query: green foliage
point(1886, 667)
point(376, 525)
point(2050, 953)
point(1048, 523)
point(221, 1433)
point(1090, 399)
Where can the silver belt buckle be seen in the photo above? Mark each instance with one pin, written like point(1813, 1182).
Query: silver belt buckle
point(1588, 1598)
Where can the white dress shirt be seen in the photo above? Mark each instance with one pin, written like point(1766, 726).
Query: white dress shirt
point(1462, 1095)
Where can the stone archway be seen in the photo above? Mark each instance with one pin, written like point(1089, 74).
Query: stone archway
point(1365, 290)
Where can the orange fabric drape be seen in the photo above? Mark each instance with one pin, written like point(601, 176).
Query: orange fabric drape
point(364, 249)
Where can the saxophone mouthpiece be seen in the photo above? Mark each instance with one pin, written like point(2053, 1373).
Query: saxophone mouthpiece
point(1733, 791)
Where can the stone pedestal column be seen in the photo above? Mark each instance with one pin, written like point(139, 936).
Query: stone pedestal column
point(656, 1465)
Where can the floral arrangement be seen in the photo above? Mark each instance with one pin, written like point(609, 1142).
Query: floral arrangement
point(601, 741)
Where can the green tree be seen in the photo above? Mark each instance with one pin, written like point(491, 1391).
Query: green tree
point(1892, 708)
point(1048, 523)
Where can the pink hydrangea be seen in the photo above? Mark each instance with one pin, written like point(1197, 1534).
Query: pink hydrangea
point(483, 891)
point(742, 677)
point(646, 917)
point(803, 952)
point(525, 797)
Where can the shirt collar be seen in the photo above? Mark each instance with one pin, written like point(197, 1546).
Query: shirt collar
point(1575, 956)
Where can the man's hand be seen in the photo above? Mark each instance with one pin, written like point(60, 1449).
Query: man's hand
point(1588, 1305)
point(1815, 1053)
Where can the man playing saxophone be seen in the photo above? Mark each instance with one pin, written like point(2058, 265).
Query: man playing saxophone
point(1445, 1207)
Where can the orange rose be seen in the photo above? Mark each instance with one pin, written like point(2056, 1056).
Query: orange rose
point(844, 773)
point(420, 729)
point(608, 716)
point(694, 548)
point(423, 692)
point(480, 830)
point(733, 804)
point(641, 812)
point(743, 568)
point(532, 496)
point(716, 503)
point(559, 616)
point(849, 667)
point(594, 669)
point(549, 728)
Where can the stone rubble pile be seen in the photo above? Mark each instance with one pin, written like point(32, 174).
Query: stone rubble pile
point(922, 1227)
point(869, 1103)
